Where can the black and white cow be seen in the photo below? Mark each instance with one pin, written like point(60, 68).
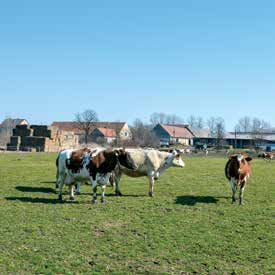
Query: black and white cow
point(86, 165)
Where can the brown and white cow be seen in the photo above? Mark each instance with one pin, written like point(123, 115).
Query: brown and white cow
point(76, 166)
point(268, 156)
point(237, 171)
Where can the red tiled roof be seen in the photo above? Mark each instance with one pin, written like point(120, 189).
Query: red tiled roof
point(177, 132)
point(73, 126)
point(107, 132)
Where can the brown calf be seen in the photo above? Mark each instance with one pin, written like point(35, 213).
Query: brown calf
point(237, 171)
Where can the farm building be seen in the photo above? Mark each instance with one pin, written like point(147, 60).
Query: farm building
point(202, 137)
point(41, 138)
point(173, 134)
point(107, 134)
point(116, 130)
point(6, 128)
point(264, 139)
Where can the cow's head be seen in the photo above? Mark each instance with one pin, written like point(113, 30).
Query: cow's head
point(177, 160)
point(240, 159)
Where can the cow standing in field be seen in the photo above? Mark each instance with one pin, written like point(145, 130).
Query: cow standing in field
point(150, 163)
point(85, 165)
point(267, 156)
point(237, 171)
point(75, 156)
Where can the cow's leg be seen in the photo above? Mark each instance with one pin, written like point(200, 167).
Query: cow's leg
point(72, 192)
point(234, 188)
point(94, 188)
point(116, 174)
point(241, 194)
point(57, 178)
point(103, 188)
point(117, 185)
point(62, 180)
point(151, 185)
point(77, 191)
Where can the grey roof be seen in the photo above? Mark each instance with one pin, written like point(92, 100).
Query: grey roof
point(201, 133)
point(249, 136)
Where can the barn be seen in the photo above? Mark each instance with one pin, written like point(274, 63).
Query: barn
point(173, 134)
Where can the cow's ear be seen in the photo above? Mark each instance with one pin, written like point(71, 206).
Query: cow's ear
point(117, 152)
point(248, 158)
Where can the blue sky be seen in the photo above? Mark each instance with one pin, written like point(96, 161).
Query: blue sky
point(128, 59)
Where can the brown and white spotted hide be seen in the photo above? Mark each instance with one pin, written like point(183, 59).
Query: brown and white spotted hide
point(237, 171)
point(98, 159)
point(75, 162)
point(267, 156)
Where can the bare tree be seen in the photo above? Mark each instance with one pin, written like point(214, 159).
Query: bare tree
point(86, 122)
point(157, 118)
point(211, 123)
point(200, 122)
point(220, 131)
point(192, 121)
point(195, 122)
point(258, 126)
point(143, 135)
point(163, 118)
point(243, 125)
point(217, 128)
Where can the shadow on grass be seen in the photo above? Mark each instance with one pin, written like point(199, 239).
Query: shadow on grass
point(48, 182)
point(35, 189)
point(192, 200)
point(128, 195)
point(39, 200)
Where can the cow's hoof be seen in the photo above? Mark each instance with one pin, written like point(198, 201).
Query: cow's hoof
point(60, 197)
point(72, 198)
point(77, 193)
point(241, 203)
point(93, 201)
point(151, 194)
point(102, 200)
point(119, 194)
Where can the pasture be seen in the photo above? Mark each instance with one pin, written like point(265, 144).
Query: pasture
point(189, 226)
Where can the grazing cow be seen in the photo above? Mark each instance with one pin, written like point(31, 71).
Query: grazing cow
point(151, 163)
point(83, 165)
point(237, 171)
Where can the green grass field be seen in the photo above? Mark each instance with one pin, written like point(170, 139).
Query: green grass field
point(189, 226)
